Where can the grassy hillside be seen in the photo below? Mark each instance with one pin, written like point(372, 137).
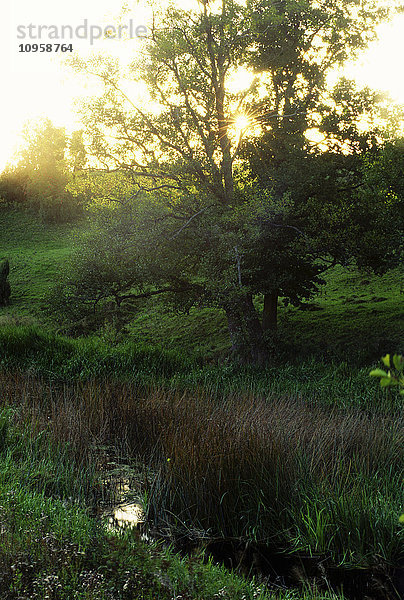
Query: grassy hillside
point(37, 253)
point(355, 314)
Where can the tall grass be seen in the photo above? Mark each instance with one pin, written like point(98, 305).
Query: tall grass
point(282, 473)
point(293, 475)
point(51, 546)
point(41, 352)
point(43, 496)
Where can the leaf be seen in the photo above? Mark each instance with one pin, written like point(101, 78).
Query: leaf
point(386, 381)
point(378, 373)
point(386, 360)
point(398, 362)
point(401, 519)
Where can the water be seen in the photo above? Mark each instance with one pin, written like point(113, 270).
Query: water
point(125, 512)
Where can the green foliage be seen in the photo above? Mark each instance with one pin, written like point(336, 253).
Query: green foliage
point(394, 376)
point(100, 189)
point(77, 152)
point(63, 209)
point(43, 160)
point(13, 183)
point(335, 199)
point(103, 274)
point(39, 179)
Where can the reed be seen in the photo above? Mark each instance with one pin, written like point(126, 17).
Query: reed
point(294, 475)
point(52, 547)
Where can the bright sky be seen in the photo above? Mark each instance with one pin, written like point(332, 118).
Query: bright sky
point(37, 85)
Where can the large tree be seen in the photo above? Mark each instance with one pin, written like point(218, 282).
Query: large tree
point(226, 231)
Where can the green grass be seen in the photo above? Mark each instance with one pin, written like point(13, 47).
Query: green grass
point(37, 253)
point(355, 316)
point(52, 547)
point(40, 352)
point(57, 357)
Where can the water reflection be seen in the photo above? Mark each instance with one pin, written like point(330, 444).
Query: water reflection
point(125, 510)
point(126, 515)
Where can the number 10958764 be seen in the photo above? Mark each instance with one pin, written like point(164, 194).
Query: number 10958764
point(45, 48)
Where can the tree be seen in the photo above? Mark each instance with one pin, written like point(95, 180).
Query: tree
point(5, 289)
point(230, 237)
point(77, 152)
point(297, 43)
point(13, 182)
point(343, 204)
point(43, 169)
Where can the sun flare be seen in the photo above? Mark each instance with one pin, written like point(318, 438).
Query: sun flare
point(241, 123)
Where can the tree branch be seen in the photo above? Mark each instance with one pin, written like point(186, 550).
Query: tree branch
point(154, 293)
point(191, 219)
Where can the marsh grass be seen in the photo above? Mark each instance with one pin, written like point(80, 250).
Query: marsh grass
point(285, 474)
point(296, 476)
point(52, 547)
point(39, 352)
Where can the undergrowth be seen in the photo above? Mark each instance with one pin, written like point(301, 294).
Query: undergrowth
point(35, 351)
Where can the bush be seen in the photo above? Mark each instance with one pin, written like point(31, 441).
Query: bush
point(63, 209)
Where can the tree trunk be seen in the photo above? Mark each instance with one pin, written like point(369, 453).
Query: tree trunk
point(270, 312)
point(258, 348)
point(246, 334)
point(237, 335)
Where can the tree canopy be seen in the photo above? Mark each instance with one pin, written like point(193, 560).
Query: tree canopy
point(240, 201)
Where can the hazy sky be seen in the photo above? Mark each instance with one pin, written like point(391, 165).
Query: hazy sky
point(36, 84)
